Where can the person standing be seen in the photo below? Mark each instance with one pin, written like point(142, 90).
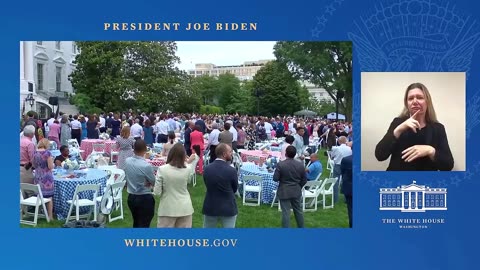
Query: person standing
point(291, 177)
point(43, 164)
point(338, 153)
point(347, 190)
point(196, 138)
point(76, 130)
point(221, 181)
point(27, 149)
point(175, 207)
point(136, 130)
point(188, 144)
point(140, 179)
point(124, 144)
point(226, 136)
point(65, 133)
point(213, 141)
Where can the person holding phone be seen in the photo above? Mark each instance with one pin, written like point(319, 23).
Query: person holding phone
point(416, 141)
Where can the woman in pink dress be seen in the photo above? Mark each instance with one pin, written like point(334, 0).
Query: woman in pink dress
point(54, 132)
point(196, 138)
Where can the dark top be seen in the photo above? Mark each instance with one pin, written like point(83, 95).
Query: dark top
point(187, 137)
point(148, 135)
point(432, 134)
point(346, 170)
point(200, 123)
point(115, 127)
point(221, 181)
point(306, 136)
point(92, 132)
point(60, 157)
point(291, 176)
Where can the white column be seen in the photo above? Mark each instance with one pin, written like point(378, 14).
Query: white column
point(22, 59)
point(423, 200)
point(403, 199)
point(28, 56)
point(416, 200)
point(445, 201)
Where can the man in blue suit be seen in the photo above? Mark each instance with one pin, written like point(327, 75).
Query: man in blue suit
point(221, 181)
point(346, 170)
point(187, 144)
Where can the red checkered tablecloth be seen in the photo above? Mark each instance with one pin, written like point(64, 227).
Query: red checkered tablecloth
point(257, 153)
point(87, 146)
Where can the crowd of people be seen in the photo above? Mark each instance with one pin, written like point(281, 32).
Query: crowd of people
point(220, 134)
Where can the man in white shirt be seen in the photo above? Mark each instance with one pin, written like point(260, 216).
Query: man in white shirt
point(76, 129)
point(102, 123)
point(162, 130)
point(233, 130)
point(268, 129)
point(136, 130)
point(213, 141)
point(338, 153)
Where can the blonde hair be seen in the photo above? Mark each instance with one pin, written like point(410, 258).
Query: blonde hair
point(430, 115)
point(125, 133)
point(43, 143)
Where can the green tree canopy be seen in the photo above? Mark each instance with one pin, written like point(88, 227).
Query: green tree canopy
point(279, 90)
point(325, 64)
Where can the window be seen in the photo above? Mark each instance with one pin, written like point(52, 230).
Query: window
point(39, 76)
point(58, 79)
point(57, 45)
point(74, 47)
point(40, 43)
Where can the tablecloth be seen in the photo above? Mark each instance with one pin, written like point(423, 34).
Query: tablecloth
point(268, 185)
point(87, 146)
point(65, 188)
point(256, 153)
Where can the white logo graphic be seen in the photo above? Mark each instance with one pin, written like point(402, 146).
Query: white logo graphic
point(413, 198)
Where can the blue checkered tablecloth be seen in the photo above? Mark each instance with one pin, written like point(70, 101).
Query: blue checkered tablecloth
point(268, 184)
point(65, 188)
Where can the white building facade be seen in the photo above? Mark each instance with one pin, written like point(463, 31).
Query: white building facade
point(44, 70)
point(245, 71)
point(413, 198)
point(317, 92)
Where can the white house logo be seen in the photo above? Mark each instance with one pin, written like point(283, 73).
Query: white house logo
point(413, 198)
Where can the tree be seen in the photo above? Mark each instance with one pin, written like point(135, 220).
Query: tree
point(227, 86)
point(279, 90)
point(206, 88)
point(113, 74)
point(99, 73)
point(325, 64)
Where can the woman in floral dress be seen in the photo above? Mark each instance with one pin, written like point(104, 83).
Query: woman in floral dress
point(125, 146)
point(43, 164)
point(251, 136)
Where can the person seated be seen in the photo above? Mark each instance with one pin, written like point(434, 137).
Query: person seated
point(64, 154)
point(314, 169)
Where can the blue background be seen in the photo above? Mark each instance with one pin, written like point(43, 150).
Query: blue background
point(370, 244)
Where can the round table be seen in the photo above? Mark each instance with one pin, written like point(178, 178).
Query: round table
point(65, 188)
point(157, 162)
point(257, 153)
point(268, 185)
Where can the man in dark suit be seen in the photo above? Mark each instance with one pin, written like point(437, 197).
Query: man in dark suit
point(346, 170)
point(188, 144)
point(291, 177)
point(201, 123)
point(221, 181)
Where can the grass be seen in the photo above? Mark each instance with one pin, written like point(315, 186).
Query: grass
point(262, 216)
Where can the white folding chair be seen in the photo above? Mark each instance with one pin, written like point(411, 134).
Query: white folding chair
point(116, 194)
point(206, 158)
point(327, 189)
point(53, 145)
point(274, 199)
point(35, 201)
point(311, 190)
point(98, 148)
point(77, 202)
point(73, 143)
point(253, 184)
point(114, 153)
point(193, 174)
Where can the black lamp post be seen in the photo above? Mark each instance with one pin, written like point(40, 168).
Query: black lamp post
point(340, 95)
point(30, 99)
point(258, 93)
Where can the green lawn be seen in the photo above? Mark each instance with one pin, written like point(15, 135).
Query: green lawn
point(262, 216)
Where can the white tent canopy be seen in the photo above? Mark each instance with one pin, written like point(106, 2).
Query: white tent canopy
point(333, 116)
